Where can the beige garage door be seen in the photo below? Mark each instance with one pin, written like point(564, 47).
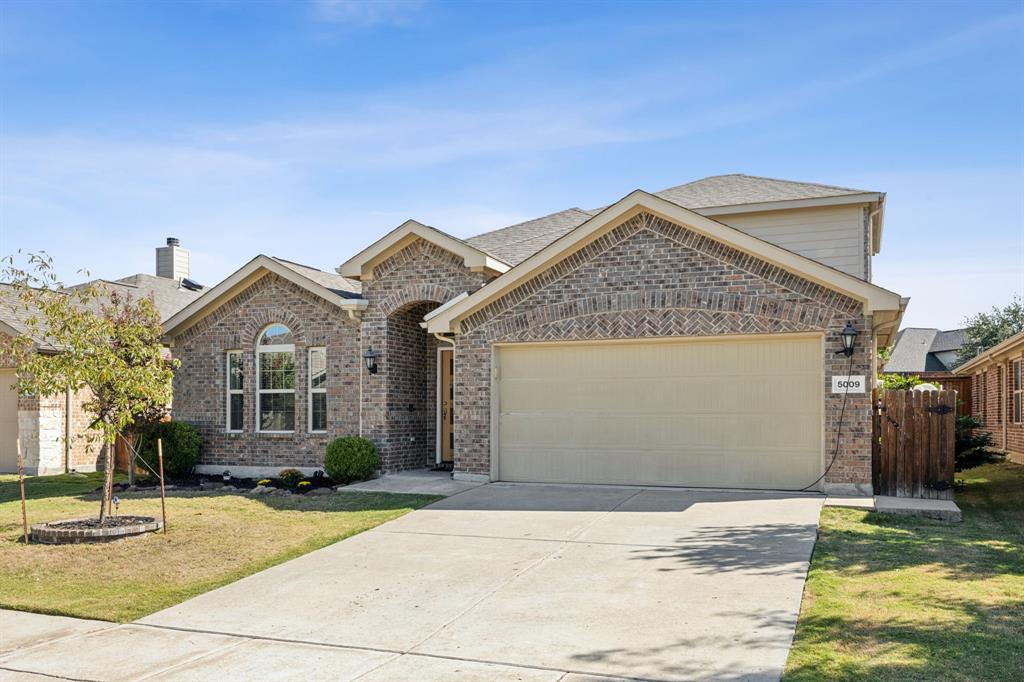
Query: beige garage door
point(742, 413)
point(8, 422)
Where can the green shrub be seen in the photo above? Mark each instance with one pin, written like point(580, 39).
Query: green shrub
point(181, 443)
point(973, 445)
point(290, 477)
point(898, 382)
point(351, 459)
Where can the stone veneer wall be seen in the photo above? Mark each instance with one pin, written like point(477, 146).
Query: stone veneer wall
point(41, 429)
point(409, 283)
point(651, 278)
point(199, 384)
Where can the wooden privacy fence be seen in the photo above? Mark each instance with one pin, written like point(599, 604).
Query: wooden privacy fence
point(913, 451)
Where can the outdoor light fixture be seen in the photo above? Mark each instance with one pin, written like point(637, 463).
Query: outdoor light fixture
point(849, 337)
point(370, 357)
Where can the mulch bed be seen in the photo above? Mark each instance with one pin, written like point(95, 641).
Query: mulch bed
point(109, 522)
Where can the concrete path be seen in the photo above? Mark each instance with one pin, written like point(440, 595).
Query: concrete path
point(516, 582)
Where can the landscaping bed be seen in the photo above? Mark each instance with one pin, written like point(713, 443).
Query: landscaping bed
point(902, 598)
point(212, 539)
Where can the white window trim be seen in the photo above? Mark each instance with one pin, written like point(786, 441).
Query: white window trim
point(270, 348)
point(1016, 390)
point(312, 391)
point(231, 391)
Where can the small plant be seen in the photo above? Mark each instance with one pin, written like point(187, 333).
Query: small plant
point(290, 477)
point(351, 459)
point(305, 485)
point(264, 481)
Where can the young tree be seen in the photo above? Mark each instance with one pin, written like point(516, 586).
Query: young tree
point(985, 330)
point(99, 340)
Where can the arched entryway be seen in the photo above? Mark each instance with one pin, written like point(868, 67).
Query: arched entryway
point(413, 386)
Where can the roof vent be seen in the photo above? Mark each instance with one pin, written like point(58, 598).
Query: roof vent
point(173, 241)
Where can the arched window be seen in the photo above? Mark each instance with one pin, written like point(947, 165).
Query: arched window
point(275, 380)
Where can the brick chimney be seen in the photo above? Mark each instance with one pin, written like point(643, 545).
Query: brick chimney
point(172, 261)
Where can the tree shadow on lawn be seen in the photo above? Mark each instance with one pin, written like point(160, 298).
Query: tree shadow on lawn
point(859, 542)
point(976, 642)
point(42, 487)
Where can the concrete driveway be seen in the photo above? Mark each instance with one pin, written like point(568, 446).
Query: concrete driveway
point(505, 581)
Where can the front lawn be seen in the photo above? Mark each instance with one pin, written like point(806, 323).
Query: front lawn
point(213, 539)
point(896, 598)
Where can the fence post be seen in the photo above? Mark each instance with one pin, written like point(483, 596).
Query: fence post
point(163, 496)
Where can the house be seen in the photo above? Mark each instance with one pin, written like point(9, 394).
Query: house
point(997, 393)
point(931, 354)
point(925, 352)
point(687, 337)
point(50, 429)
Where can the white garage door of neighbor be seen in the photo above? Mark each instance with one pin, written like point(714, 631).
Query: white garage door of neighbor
point(736, 412)
point(8, 422)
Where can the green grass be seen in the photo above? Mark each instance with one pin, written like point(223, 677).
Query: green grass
point(897, 598)
point(212, 540)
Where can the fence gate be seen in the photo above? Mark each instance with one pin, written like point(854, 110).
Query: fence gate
point(913, 444)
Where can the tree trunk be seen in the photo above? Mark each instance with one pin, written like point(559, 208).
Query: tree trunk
point(108, 479)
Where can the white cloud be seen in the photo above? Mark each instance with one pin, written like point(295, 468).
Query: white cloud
point(367, 12)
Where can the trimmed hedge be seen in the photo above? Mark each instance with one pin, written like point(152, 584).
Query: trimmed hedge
point(351, 458)
point(181, 443)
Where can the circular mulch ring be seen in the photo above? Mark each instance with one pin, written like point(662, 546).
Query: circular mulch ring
point(90, 530)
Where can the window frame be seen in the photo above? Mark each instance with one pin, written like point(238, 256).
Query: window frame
point(261, 349)
point(311, 390)
point(1017, 392)
point(229, 392)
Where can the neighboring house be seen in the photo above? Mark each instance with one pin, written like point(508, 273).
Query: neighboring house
point(51, 429)
point(687, 337)
point(998, 391)
point(931, 354)
point(927, 353)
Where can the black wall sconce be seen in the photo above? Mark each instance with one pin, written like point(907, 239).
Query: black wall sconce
point(849, 337)
point(370, 358)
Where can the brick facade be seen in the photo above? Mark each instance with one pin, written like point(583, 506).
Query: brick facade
point(992, 403)
point(645, 278)
point(405, 287)
point(199, 384)
point(651, 278)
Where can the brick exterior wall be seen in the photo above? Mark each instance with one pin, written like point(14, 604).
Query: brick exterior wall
point(651, 278)
point(404, 287)
point(992, 403)
point(199, 383)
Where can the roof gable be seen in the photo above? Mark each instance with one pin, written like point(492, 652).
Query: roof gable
point(361, 265)
point(340, 293)
point(887, 305)
point(715, 195)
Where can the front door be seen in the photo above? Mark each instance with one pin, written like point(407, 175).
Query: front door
point(447, 399)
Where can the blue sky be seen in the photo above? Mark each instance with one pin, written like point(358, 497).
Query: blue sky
point(308, 129)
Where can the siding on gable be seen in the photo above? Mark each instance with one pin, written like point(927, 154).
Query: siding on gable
point(832, 235)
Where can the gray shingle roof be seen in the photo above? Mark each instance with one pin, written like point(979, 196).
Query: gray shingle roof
point(738, 189)
point(915, 349)
point(343, 286)
point(12, 310)
point(168, 295)
point(516, 243)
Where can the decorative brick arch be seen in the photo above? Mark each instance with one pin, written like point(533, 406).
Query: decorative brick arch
point(416, 293)
point(262, 319)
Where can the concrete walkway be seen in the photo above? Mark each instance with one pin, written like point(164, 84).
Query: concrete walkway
point(516, 582)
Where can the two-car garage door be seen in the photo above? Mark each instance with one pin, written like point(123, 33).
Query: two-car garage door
point(736, 412)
